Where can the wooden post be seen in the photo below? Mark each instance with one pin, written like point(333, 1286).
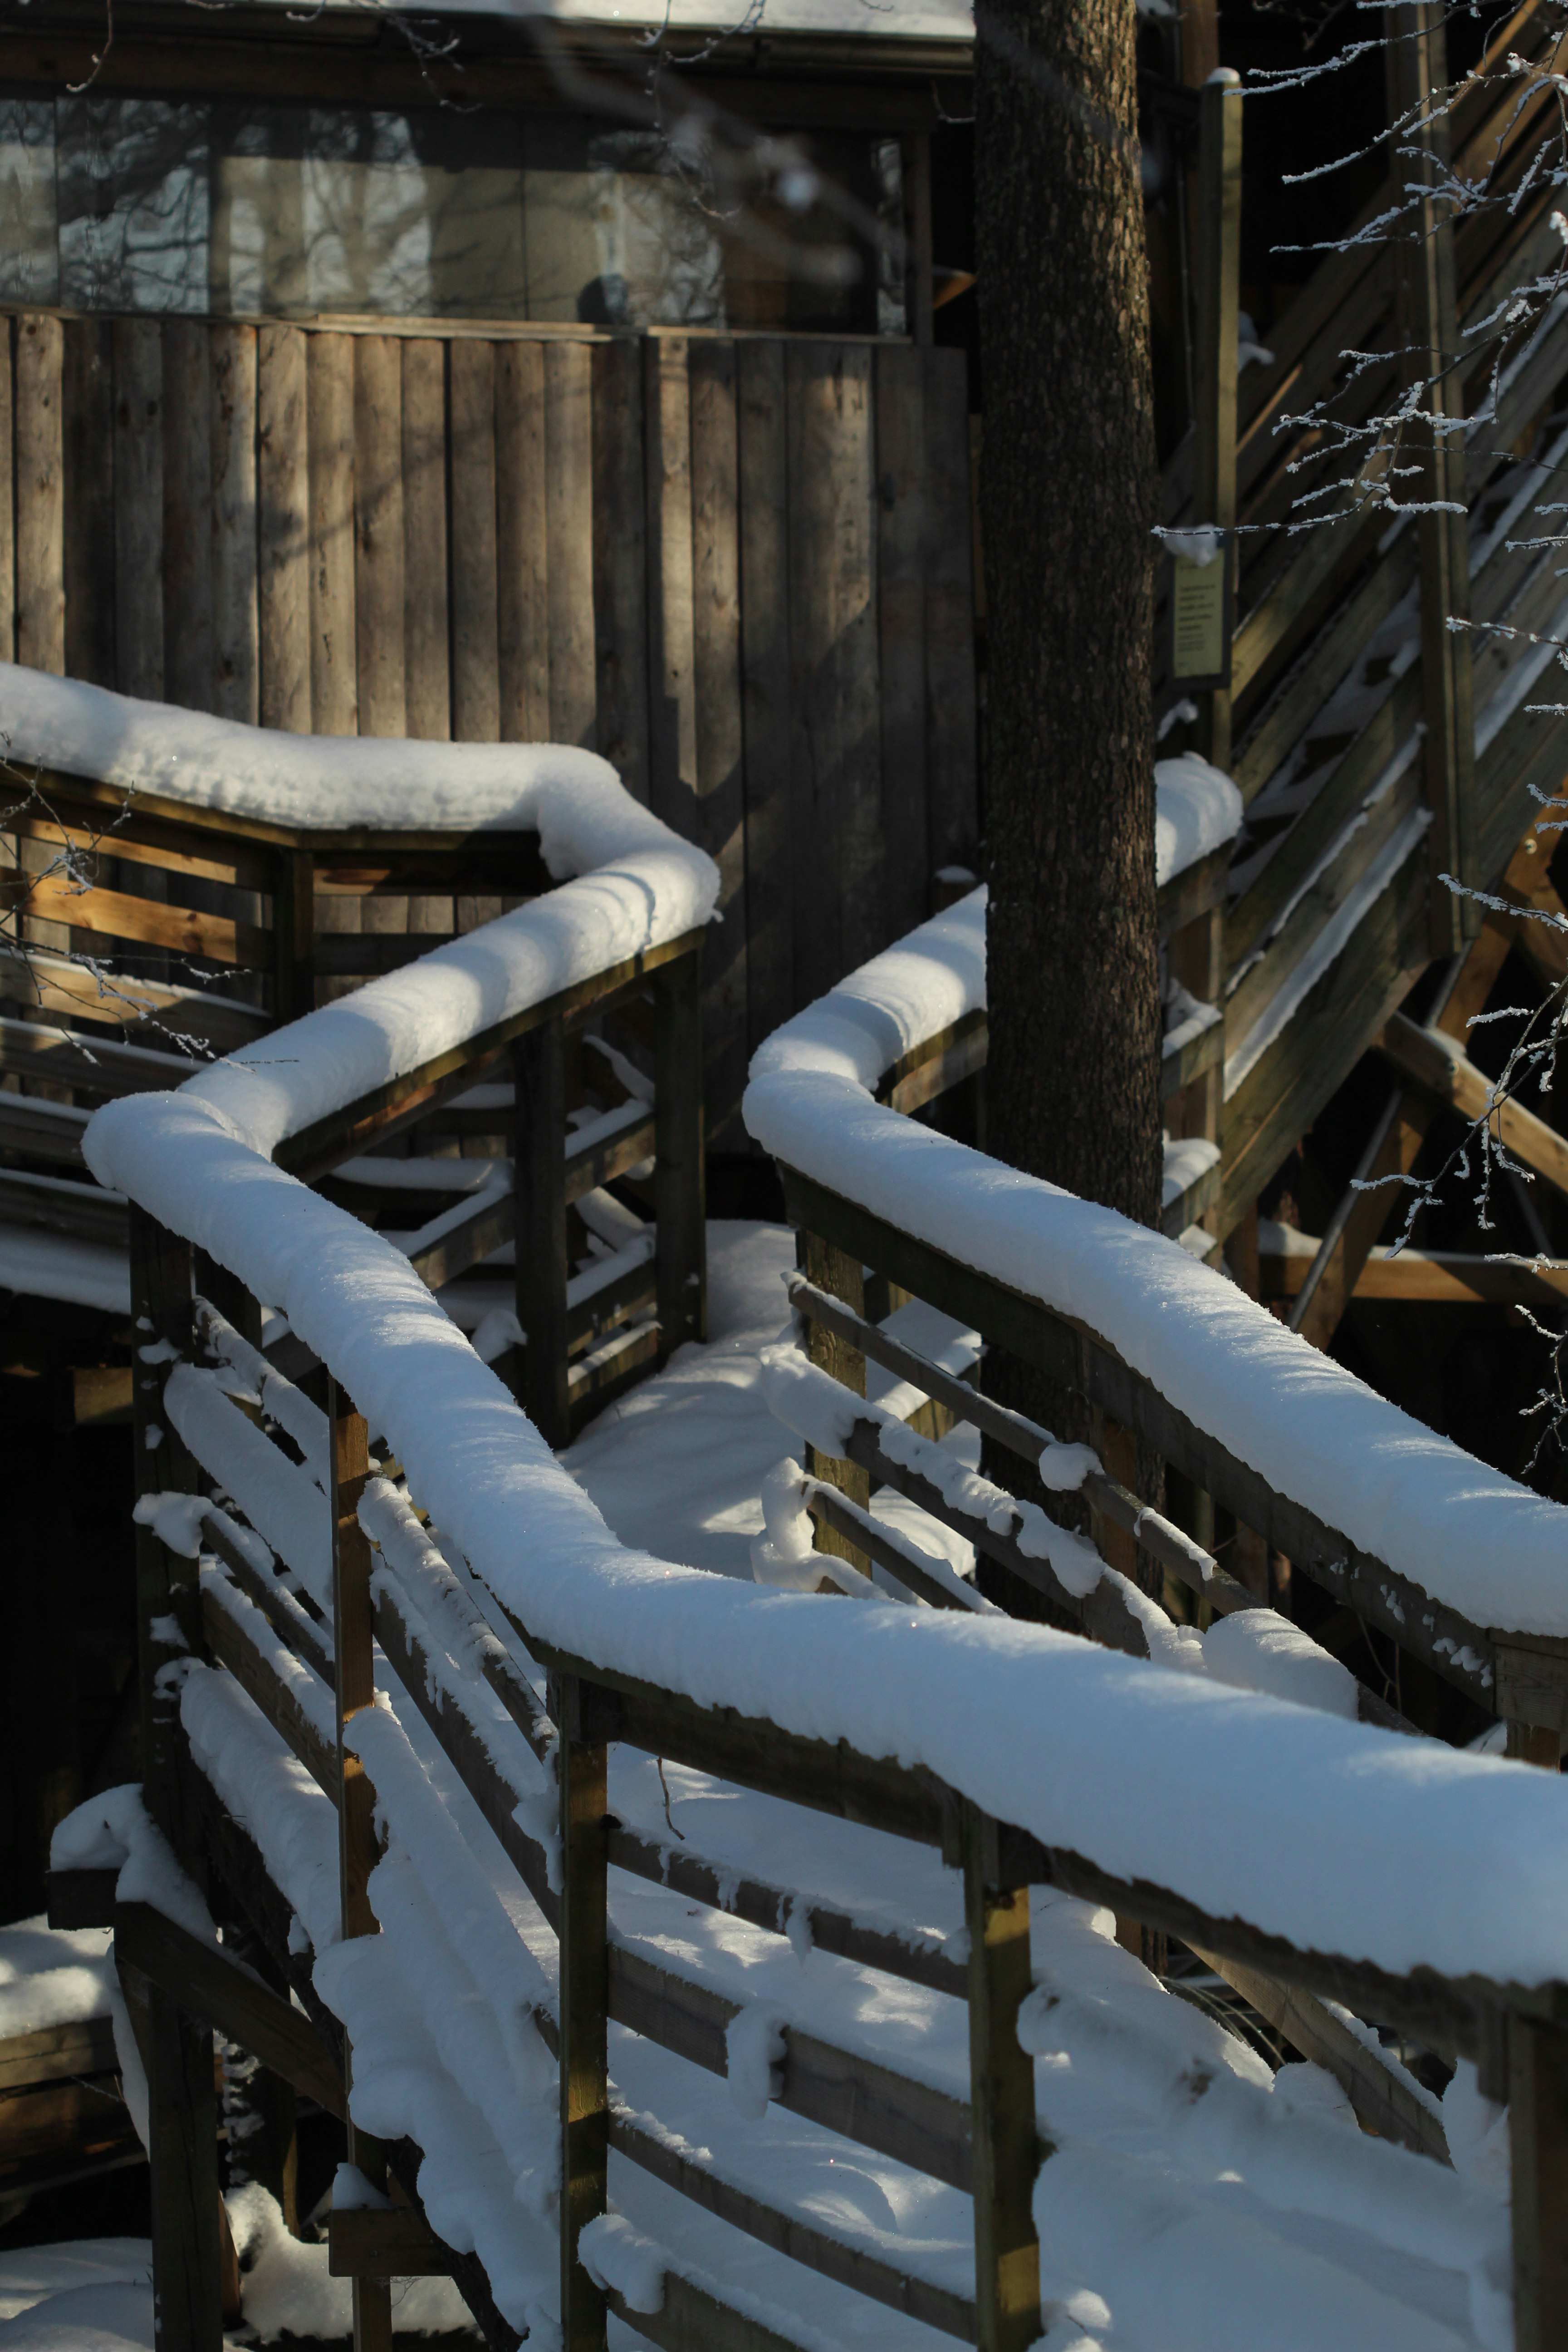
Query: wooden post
point(840, 1274)
point(1215, 353)
point(294, 934)
point(1538, 2143)
point(186, 2250)
point(582, 1765)
point(1197, 960)
point(1427, 337)
point(353, 1636)
point(1005, 2137)
point(680, 1183)
point(539, 1184)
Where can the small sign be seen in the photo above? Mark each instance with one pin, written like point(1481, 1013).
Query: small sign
point(1200, 621)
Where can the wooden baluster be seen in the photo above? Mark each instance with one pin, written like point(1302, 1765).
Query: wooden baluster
point(679, 1181)
point(294, 934)
point(353, 1636)
point(840, 1274)
point(1537, 2144)
point(538, 1181)
point(187, 2244)
point(582, 1763)
point(1006, 2137)
point(1215, 359)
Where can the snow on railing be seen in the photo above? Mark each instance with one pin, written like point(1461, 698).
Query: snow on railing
point(1231, 1815)
point(1441, 1525)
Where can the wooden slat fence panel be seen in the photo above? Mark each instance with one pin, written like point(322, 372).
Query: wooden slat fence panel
point(138, 348)
point(283, 496)
point(88, 409)
point(740, 567)
point(40, 502)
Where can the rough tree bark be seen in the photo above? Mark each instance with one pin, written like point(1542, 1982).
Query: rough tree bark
point(1069, 500)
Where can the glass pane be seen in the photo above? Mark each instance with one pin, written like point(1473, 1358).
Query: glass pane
point(29, 247)
point(133, 182)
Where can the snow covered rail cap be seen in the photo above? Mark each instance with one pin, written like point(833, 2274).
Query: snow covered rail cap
point(1458, 1563)
point(259, 778)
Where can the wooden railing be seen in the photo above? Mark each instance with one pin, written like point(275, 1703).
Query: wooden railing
point(531, 1646)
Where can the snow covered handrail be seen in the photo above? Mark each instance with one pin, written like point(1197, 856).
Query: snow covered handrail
point(1454, 1561)
point(1023, 1754)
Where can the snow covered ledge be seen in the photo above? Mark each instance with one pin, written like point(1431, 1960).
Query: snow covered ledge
point(628, 884)
point(1465, 1534)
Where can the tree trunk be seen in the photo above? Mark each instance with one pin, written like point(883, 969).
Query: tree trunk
point(1069, 500)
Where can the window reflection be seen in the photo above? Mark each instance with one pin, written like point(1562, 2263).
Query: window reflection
point(139, 204)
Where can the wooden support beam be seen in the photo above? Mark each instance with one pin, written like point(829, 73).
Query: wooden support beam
point(1381, 2102)
point(393, 2243)
point(1537, 2144)
point(832, 1271)
point(538, 1065)
point(1004, 2135)
point(1447, 1073)
point(680, 1180)
point(228, 1998)
point(582, 1767)
point(188, 2290)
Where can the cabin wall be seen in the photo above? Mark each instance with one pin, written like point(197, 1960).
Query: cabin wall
point(739, 566)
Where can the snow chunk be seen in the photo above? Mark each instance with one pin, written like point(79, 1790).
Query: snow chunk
point(755, 2052)
point(1197, 810)
point(621, 2260)
point(1258, 1650)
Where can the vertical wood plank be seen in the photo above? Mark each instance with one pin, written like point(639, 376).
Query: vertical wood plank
point(900, 628)
point(672, 715)
point(840, 1274)
point(835, 766)
point(329, 370)
point(139, 506)
point(569, 521)
point(283, 532)
point(719, 810)
point(764, 477)
point(620, 561)
point(235, 681)
point(187, 2299)
point(539, 1184)
point(187, 516)
point(522, 563)
point(378, 534)
point(40, 503)
point(87, 402)
point(294, 934)
point(1001, 2094)
point(428, 688)
point(952, 802)
point(583, 1770)
point(1538, 2141)
point(476, 651)
point(680, 1177)
point(7, 504)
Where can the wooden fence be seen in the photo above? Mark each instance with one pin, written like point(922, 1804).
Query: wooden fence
point(738, 567)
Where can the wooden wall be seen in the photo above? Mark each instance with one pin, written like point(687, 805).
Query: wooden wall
point(741, 568)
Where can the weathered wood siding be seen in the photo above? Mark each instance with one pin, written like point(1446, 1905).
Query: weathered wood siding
point(740, 568)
